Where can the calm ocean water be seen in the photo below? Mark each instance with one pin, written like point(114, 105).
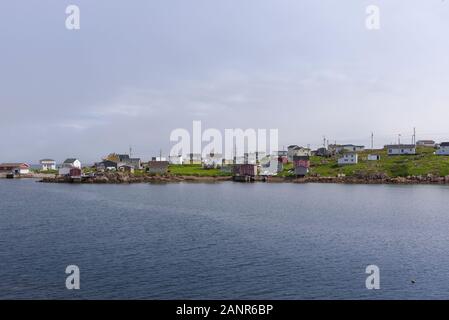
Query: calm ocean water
point(223, 241)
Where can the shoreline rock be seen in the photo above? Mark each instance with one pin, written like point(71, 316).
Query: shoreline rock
point(123, 178)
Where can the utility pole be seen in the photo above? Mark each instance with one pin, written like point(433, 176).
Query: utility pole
point(130, 151)
point(372, 140)
point(324, 141)
point(399, 138)
point(414, 136)
point(160, 155)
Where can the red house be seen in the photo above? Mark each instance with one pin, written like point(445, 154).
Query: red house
point(75, 173)
point(301, 161)
point(301, 165)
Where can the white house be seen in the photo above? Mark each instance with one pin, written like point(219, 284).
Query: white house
point(348, 158)
point(296, 151)
point(212, 160)
point(350, 148)
point(175, 159)
point(48, 164)
point(72, 163)
point(443, 149)
point(401, 149)
point(69, 164)
point(16, 168)
point(270, 166)
point(373, 157)
point(426, 143)
point(158, 159)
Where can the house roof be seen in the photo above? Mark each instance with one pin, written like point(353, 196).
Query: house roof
point(426, 141)
point(400, 146)
point(352, 145)
point(123, 156)
point(107, 163)
point(297, 148)
point(47, 160)
point(14, 165)
point(126, 166)
point(70, 160)
point(299, 158)
point(126, 158)
point(444, 144)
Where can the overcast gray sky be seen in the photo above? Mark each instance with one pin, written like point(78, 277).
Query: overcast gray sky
point(136, 70)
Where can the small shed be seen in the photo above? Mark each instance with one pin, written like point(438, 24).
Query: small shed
point(348, 158)
point(245, 170)
point(75, 173)
point(301, 165)
point(443, 149)
point(126, 168)
point(401, 149)
point(157, 167)
point(373, 157)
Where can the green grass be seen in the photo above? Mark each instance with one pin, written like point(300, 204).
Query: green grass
point(285, 172)
point(88, 170)
point(194, 170)
point(139, 172)
point(44, 171)
point(423, 163)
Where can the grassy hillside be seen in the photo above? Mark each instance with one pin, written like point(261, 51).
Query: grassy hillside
point(194, 170)
point(423, 163)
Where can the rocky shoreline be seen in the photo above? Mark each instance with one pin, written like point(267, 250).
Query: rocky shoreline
point(376, 180)
point(29, 176)
point(122, 178)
